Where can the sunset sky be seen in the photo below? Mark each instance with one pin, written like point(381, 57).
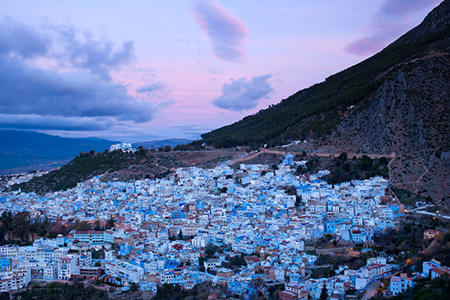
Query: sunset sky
point(143, 70)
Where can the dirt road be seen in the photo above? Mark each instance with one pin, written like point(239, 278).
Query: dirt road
point(321, 154)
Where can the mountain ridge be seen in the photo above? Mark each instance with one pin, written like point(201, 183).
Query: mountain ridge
point(395, 101)
point(154, 144)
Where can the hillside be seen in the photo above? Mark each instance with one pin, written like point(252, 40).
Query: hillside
point(123, 166)
point(26, 150)
point(395, 101)
point(116, 164)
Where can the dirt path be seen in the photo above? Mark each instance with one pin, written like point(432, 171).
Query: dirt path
point(389, 167)
point(419, 163)
point(331, 154)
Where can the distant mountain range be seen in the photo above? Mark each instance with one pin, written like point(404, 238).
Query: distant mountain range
point(27, 150)
point(161, 143)
point(395, 101)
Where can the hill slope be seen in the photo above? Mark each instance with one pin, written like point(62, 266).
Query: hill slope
point(400, 98)
point(115, 164)
point(26, 150)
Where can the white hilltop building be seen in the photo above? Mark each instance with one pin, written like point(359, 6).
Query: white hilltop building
point(125, 147)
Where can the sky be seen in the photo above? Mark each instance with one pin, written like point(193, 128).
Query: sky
point(144, 69)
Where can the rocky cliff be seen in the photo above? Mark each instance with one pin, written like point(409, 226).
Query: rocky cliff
point(409, 115)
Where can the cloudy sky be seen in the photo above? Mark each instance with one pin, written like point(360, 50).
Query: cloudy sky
point(146, 69)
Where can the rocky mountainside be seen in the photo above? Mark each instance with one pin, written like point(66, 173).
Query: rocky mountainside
point(394, 102)
point(409, 114)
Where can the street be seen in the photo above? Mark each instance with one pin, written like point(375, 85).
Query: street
point(371, 290)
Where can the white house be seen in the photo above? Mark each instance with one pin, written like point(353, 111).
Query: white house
point(400, 284)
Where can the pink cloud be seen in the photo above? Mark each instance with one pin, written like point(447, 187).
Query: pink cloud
point(226, 32)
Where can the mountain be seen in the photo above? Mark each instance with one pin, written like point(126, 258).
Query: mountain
point(161, 143)
point(397, 101)
point(27, 150)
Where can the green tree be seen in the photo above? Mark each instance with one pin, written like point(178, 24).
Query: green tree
point(110, 223)
point(324, 293)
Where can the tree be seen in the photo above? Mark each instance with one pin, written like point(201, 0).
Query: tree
point(21, 225)
point(324, 293)
point(141, 150)
point(343, 156)
point(180, 235)
point(97, 225)
point(110, 223)
point(134, 287)
point(83, 226)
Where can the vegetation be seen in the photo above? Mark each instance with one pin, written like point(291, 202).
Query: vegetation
point(60, 291)
point(89, 164)
point(438, 288)
point(325, 272)
point(175, 292)
point(359, 169)
point(410, 198)
point(21, 228)
point(323, 293)
point(344, 169)
point(236, 261)
point(409, 247)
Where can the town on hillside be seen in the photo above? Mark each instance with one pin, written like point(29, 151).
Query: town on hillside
point(256, 232)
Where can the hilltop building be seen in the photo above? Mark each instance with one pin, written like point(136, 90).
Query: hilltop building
point(125, 147)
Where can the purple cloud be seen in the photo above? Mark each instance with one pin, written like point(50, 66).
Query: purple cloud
point(40, 122)
point(192, 131)
point(153, 88)
point(391, 21)
point(226, 32)
point(83, 51)
point(403, 7)
point(83, 98)
point(243, 94)
point(21, 40)
point(29, 90)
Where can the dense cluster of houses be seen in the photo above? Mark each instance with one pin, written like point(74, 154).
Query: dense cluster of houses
point(163, 227)
point(23, 177)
